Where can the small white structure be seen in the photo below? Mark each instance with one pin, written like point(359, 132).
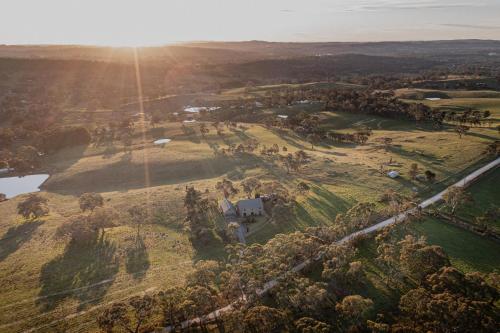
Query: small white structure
point(161, 141)
point(433, 98)
point(393, 174)
point(258, 104)
point(282, 116)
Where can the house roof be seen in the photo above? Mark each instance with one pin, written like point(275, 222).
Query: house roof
point(227, 207)
point(249, 204)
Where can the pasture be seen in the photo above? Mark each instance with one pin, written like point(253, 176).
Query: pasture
point(50, 283)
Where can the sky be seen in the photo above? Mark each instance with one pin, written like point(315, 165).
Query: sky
point(157, 22)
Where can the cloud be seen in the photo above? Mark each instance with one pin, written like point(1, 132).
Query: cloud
point(471, 26)
point(287, 11)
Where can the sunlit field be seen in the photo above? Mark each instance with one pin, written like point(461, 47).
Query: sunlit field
point(48, 283)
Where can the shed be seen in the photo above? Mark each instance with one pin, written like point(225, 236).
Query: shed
point(227, 208)
point(250, 207)
point(393, 174)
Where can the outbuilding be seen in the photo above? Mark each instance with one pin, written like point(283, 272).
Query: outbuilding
point(393, 174)
point(227, 208)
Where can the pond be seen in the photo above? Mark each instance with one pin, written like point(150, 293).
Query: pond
point(161, 141)
point(12, 186)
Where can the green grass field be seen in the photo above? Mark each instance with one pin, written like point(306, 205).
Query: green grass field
point(467, 251)
point(49, 282)
point(484, 194)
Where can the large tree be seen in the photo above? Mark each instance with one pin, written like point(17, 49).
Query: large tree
point(263, 319)
point(33, 207)
point(138, 216)
point(456, 196)
point(89, 201)
point(250, 185)
point(226, 187)
point(102, 218)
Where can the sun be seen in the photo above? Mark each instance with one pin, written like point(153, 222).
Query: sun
point(128, 43)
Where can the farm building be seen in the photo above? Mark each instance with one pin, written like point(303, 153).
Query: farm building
point(227, 208)
point(245, 207)
point(249, 207)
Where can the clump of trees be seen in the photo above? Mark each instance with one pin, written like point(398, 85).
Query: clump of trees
point(448, 300)
point(251, 185)
point(91, 222)
point(434, 296)
point(226, 187)
point(200, 214)
point(23, 159)
point(128, 316)
point(296, 161)
point(359, 137)
point(63, 137)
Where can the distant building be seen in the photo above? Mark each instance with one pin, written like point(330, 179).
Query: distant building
point(250, 207)
point(227, 208)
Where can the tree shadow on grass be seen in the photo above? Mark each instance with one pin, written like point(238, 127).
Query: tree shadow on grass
point(240, 134)
point(291, 139)
point(427, 160)
point(16, 236)
point(137, 262)
point(212, 247)
point(189, 133)
point(85, 271)
point(327, 203)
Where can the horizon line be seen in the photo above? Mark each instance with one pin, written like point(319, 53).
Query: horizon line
point(180, 43)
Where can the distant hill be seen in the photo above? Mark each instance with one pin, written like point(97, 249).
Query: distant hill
point(234, 52)
point(410, 48)
point(174, 54)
